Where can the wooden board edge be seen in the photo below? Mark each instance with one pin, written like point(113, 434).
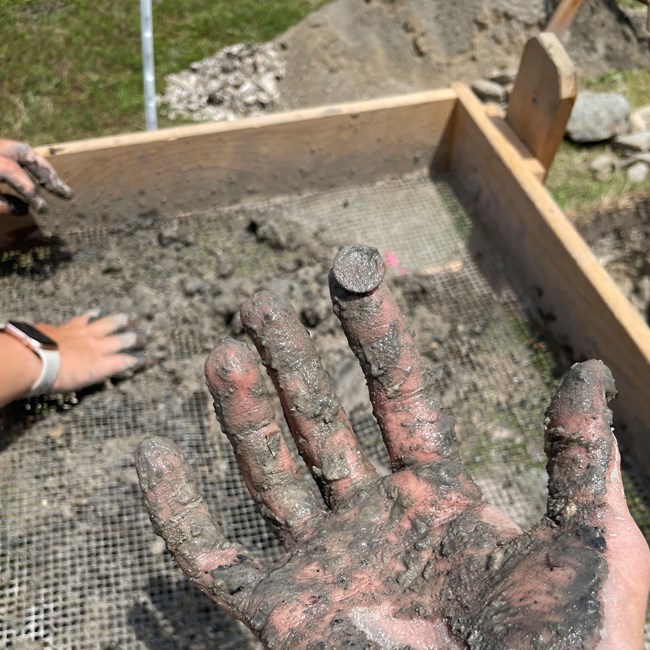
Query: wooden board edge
point(209, 166)
point(589, 310)
point(262, 122)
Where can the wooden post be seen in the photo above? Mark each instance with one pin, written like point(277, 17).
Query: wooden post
point(563, 16)
point(543, 96)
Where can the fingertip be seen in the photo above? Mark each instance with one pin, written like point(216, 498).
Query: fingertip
point(63, 190)
point(585, 389)
point(155, 458)
point(38, 203)
point(132, 340)
point(263, 308)
point(227, 361)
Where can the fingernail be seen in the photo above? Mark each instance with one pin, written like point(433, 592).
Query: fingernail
point(93, 314)
point(39, 204)
point(131, 340)
point(64, 190)
point(122, 320)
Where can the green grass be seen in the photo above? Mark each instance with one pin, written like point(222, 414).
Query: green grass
point(72, 68)
point(631, 4)
point(572, 184)
point(570, 181)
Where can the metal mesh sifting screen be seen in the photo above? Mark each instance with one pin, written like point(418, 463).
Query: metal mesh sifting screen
point(79, 564)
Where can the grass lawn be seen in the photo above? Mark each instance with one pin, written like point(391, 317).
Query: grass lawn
point(72, 68)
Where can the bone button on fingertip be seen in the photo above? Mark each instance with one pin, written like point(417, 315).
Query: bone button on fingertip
point(359, 269)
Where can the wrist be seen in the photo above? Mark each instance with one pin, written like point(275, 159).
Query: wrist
point(20, 367)
point(44, 347)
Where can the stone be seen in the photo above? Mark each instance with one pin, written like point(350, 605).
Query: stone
point(603, 166)
point(640, 119)
point(637, 142)
point(597, 117)
point(489, 91)
point(635, 157)
point(503, 77)
point(191, 286)
point(638, 172)
point(238, 81)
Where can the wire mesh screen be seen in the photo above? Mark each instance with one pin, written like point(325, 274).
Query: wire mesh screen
point(79, 564)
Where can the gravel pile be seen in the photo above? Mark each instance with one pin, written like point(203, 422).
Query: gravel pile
point(238, 81)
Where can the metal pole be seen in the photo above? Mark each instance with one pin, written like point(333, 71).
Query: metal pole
point(146, 31)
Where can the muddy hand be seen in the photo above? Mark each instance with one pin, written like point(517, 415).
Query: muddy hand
point(415, 559)
point(25, 172)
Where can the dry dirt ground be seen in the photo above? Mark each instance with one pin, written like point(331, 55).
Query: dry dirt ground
point(619, 235)
point(358, 49)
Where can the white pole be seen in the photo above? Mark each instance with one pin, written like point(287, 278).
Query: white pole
point(146, 31)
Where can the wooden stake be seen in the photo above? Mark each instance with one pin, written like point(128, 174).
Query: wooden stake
point(543, 96)
point(563, 16)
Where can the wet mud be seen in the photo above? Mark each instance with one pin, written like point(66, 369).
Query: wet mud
point(444, 559)
point(186, 280)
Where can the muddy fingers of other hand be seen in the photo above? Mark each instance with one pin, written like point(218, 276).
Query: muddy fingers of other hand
point(222, 569)
point(39, 168)
point(247, 418)
point(414, 427)
point(17, 178)
point(579, 443)
point(313, 411)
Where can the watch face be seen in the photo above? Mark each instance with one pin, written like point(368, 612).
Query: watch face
point(31, 332)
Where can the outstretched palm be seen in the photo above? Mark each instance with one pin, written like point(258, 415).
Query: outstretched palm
point(415, 559)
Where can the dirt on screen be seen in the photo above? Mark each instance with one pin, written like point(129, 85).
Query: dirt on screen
point(79, 563)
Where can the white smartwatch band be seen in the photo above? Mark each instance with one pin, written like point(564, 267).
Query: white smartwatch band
point(49, 372)
point(42, 345)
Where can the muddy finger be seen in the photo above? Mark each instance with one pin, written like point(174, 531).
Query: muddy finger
point(415, 429)
point(247, 418)
point(223, 570)
point(40, 169)
point(579, 443)
point(314, 413)
point(17, 178)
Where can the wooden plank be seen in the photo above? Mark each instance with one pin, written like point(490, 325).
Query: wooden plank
point(527, 159)
point(497, 115)
point(543, 96)
point(573, 295)
point(563, 16)
point(218, 164)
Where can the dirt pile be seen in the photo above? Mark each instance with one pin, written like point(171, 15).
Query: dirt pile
point(358, 49)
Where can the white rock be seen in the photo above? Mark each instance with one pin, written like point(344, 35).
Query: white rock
point(638, 172)
point(603, 166)
point(598, 116)
point(640, 119)
point(639, 141)
point(489, 91)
